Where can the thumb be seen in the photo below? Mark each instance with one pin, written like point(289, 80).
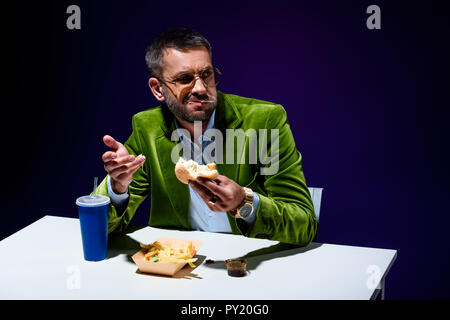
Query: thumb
point(111, 142)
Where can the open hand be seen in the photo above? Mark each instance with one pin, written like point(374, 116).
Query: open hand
point(119, 164)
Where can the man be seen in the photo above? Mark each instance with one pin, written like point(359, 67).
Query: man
point(264, 199)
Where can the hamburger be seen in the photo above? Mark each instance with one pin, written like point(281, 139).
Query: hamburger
point(191, 170)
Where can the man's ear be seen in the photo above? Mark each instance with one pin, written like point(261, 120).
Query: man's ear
point(156, 88)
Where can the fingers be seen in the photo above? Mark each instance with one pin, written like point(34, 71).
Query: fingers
point(220, 179)
point(111, 142)
point(210, 185)
point(119, 164)
point(124, 173)
point(230, 193)
point(203, 192)
point(108, 156)
point(126, 168)
point(207, 195)
point(115, 163)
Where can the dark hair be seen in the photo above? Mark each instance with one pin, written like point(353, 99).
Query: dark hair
point(177, 38)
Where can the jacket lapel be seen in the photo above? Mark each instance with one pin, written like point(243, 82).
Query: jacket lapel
point(227, 117)
point(178, 193)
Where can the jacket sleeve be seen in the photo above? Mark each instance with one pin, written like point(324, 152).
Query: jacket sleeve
point(139, 188)
point(285, 212)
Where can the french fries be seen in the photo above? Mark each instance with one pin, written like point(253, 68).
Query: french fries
point(157, 252)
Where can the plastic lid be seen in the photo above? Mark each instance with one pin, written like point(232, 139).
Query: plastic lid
point(92, 201)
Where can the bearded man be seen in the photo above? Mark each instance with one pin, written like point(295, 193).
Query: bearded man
point(246, 198)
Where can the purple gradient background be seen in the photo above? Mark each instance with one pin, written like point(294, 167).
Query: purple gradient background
point(368, 110)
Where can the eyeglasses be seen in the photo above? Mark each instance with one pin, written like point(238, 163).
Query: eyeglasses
point(209, 77)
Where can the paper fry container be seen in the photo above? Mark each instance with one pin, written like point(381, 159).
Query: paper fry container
point(168, 269)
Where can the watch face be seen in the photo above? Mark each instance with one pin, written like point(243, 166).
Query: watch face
point(246, 211)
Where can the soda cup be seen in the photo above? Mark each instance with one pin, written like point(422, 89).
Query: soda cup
point(93, 214)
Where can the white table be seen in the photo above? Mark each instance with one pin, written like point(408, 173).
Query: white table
point(45, 261)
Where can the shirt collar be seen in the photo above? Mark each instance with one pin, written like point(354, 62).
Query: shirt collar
point(210, 125)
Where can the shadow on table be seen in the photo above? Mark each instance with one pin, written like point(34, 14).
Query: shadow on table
point(254, 258)
point(121, 243)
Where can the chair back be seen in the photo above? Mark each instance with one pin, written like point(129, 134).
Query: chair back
point(316, 196)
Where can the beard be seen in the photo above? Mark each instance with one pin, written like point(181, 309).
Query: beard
point(180, 110)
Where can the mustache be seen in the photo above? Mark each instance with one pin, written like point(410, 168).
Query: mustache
point(203, 97)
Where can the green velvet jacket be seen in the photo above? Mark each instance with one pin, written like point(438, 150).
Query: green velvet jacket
point(285, 212)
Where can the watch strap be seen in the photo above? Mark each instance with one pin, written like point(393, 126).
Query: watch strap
point(247, 200)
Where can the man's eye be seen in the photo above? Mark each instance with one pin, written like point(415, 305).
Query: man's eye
point(185, 79)
point(206, 74)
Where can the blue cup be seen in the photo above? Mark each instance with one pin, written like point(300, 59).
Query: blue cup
point(93, 214)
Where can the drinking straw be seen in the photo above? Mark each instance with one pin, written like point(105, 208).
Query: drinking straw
point(95, 186)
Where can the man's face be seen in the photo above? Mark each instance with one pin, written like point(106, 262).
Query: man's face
point(189, 100)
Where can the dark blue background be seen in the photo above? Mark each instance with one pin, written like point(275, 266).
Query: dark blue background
point(368, 109)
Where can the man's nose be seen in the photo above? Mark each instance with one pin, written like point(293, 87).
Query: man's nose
point(199, 86)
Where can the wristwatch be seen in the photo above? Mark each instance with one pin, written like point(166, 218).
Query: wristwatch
point(245, 209)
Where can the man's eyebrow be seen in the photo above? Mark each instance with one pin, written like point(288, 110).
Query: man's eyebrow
point(181, 73)
point(189, 72)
